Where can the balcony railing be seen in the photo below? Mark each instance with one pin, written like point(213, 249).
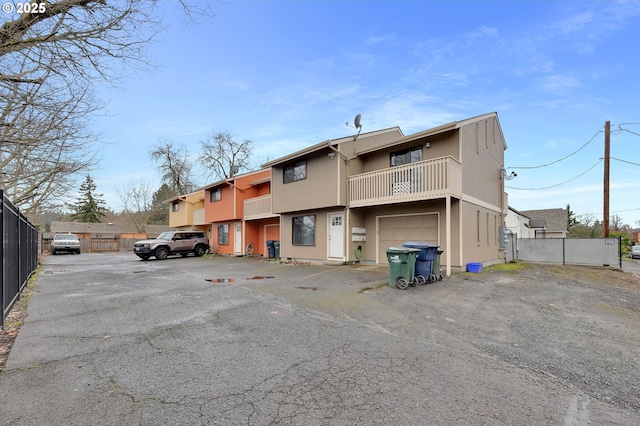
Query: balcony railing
point(423, 180)
point(258, 207)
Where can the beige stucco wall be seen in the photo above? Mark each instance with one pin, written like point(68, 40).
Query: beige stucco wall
point(368, 218)
point(318, 190)
point(480, 234)
point(317, 251)
point(482, 156)
point(441, 145)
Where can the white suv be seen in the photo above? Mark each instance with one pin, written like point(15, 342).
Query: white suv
point(173, 242)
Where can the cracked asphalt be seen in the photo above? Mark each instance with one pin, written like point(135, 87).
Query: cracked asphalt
point(112, 340)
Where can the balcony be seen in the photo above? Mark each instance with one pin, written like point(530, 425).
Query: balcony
point(258, 208)
point(424, 180)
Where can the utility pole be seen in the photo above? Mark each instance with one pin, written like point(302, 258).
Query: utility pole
point(607, 155)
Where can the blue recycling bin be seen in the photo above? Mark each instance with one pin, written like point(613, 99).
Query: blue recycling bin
point(271, 248)
point(425, 258)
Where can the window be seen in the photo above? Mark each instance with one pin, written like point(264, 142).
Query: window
point(223, 234)
point(304, 231)
point(214, 195)
point(407, 156)
point(294, 172)
point(407, 180)
point(175, 206)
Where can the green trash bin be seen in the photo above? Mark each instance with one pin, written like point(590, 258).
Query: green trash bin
point(276, 249)
point(402, 263)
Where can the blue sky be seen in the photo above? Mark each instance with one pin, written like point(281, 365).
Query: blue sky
point(289, 74)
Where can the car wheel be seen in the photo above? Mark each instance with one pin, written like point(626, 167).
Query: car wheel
point(53, 252)
point(199, 251)
point(162, 253)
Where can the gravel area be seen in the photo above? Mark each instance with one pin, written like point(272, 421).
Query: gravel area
point(580, 325)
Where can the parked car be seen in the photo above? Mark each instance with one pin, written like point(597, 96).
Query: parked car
point(65, 242)
point(173, 242)
point(635, 252)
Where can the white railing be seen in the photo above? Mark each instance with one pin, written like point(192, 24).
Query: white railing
point(423, 180)
point(198, 217)
point(258, 207)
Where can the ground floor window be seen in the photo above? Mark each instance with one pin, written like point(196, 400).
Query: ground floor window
point(223, 234)
point(304, 231)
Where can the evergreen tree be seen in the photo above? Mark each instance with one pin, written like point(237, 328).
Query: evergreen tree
point(572, 220)
point(159, 214)
point(89, 207)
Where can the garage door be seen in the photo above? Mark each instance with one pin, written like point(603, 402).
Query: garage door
point(393, 231)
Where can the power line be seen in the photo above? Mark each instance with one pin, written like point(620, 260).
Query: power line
point(559, 184)
point(625, 161)
point(563, 158)
point(626, 130)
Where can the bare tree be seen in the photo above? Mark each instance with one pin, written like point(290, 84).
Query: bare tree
point(174, 165)
point(44, 141)
point(49, 61)
point(225, 157)
point(136, 201)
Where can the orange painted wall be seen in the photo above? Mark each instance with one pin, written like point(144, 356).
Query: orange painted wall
point(229, 210)
point(216, 211)
point(255, 234)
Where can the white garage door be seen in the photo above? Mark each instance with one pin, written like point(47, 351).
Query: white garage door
point(393, 231)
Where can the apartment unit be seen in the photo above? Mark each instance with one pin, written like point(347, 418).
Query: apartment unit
point(186, 212)
point(240, 214)
point(350, 199)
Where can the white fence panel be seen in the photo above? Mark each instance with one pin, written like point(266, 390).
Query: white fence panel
point(572, 251)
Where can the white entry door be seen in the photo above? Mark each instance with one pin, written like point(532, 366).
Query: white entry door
point(237, 239)
point(336, 236)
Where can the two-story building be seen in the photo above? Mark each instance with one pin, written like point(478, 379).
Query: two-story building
point(350, 199)
point(186, 212)
point(240, 214)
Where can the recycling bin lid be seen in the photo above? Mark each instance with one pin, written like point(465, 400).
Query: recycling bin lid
point(416, 244)
point(402, 250)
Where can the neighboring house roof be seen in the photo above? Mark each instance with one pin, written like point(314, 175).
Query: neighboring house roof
point(102, 228)
point(556, 219)
point(330, 143)
point(518, 212)
point(88, 228)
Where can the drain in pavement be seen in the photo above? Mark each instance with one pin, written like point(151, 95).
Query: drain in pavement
point(311, 288)
point(220, 280)
point(260, 277)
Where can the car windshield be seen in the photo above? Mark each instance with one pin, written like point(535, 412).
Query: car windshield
point(165, 236)
point(66, 237)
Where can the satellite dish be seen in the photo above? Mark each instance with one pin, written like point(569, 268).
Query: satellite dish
point(356, 122)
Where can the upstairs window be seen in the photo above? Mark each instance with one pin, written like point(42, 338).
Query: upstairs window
point(412, 155)
point(214, 195)
point(294, 172)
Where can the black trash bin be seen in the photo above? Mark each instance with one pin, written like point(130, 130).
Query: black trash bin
point(271, 249)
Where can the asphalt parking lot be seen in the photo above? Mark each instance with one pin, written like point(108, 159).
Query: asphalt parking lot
point(110, 339)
